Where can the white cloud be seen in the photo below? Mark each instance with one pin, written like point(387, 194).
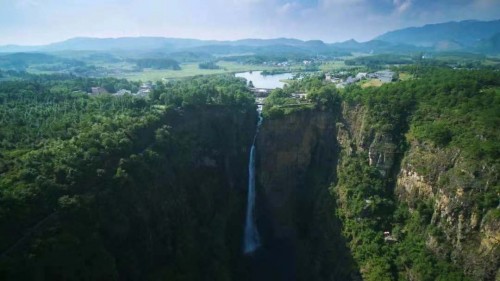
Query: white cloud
point(288, 8)
point(402, 6)
point(22, 21)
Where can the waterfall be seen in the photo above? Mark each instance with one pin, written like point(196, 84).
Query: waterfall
point(251, 239)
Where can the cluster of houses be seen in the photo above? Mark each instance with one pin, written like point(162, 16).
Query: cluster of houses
point(385, 76)
point(289, 63)
point(144, 90)
point(261, 95)
point(272, 63)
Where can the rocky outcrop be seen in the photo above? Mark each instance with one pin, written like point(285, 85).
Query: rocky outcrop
point(452, 184)
point(356, 134)
point(467, 233)
point(298, 155)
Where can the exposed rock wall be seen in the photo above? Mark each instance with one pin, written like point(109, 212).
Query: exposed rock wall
point(452, 184)
point(297, 156)
point(468, 234)
point(287, 148)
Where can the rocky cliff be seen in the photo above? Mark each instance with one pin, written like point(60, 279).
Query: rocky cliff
point(449, 184)
point(465, 232)
point(297, 156)
point(300, 154)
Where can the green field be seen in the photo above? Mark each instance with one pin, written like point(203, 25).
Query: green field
point(404, 76)
point(332, 66)
point(192, 69)
point(371, 83)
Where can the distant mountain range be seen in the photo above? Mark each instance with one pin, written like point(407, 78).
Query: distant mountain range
point(155, 43)
point(471, 35)
point(468, 34)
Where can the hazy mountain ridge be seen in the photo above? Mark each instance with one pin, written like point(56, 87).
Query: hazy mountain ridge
point(471, 35)
point(375, 46)
point(154, 43)
point(463, 34)
point(490, 45)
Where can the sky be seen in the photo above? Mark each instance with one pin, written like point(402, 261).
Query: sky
point(34, 22)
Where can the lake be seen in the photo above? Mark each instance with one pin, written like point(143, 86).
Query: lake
point(267, 81)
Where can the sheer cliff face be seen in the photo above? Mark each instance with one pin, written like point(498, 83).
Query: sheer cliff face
point(449, 182)
point(297, 156)
point(297, 149)
point(453, 184)
point(287, 149)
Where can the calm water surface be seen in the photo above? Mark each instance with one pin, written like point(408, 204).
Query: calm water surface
point(267, 82)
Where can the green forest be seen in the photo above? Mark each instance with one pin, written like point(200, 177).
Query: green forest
point(127, 188)
point(99, 188)
point(444, 109)
point(440, 110)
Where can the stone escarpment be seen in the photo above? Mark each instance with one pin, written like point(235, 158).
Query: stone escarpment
point(449, 184)
point(288, 148)
point(299, 156)
point(466, 232)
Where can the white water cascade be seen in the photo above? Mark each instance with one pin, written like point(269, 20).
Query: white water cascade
point(251, 238)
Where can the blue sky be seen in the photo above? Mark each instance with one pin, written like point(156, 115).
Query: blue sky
point(32, 22)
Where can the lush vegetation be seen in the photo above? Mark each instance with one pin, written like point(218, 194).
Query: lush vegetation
point(379, 60)
point(280, 103)
point(441, 110)
point(156, 63)
point(445, 109)
point(103, 188)
point(22, 61)
point(208, 65)
point(456, 107)
point(367, 209)
point(320, 95)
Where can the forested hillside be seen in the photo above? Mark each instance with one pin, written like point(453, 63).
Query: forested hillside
point(415, 184)
point(103, 188)
point(397, 182)
point(426, 170)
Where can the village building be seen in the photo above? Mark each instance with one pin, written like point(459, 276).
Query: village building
point(122, 92)
point(385, 76)
point(361, 75)
point(299, 95)
point(145, 89)
point(260, 92)
point(95, 91)
point(143, 93)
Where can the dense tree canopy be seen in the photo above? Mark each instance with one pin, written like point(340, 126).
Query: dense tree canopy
point(89, 184)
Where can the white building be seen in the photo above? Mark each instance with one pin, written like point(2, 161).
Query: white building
point(122, 92)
